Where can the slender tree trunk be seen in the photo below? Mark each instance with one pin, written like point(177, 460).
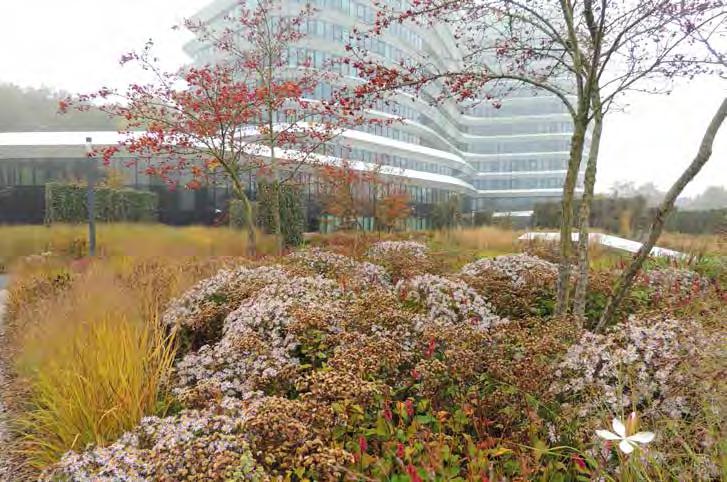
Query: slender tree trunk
point(251, 234)
point(239, 191)
point(657, 225)
point(584, 212)
point(249, 223)
point(566, 223)
point(275, 209)
point(274, 186)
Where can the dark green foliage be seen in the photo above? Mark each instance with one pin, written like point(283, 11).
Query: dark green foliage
point(626, 216)
point(292, 219)
point(631, 217)
point(66, 203)
point(483, 218)
point(238, 214)
point(447, 214)
point(713, 221)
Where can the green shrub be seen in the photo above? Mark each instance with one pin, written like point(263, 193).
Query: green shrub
point(238, 214)
point(447, 214)
point(67, 203)
point(291, 211)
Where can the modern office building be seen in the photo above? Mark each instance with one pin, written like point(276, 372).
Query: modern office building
point(501, 159)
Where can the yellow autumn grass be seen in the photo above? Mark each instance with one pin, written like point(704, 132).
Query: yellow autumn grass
point(92, 357)
point(485, 239)
point(126, 239)
point(696, 244)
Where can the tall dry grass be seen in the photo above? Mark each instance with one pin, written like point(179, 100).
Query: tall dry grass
point(695, 244)
point(90, 355)
point(125, 240)
point(487, 239)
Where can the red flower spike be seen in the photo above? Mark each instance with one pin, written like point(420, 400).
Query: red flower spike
point(413, 473)
point(430, 348)
point(578, 460)
point(409, 404)
point(386, 412)
point(362, 444)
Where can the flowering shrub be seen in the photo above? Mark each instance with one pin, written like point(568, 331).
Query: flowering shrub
point(193, 445)
point(446, 301)
point(518, 268)
point(337, 266)
point(637, 364)
point(386, 249)
point(403, 259)
point(518, 286)
point(256, 348)
point(199, 312)
point(678, 282)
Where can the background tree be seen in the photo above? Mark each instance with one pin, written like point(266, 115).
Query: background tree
point(628, 189)
point(584, 53)
point(291, 130)
point(657, 226)
point(447, 215)
point(393, 209)
point(248, 114)
point(714, 197)
point(25, 109)
point(345, 192)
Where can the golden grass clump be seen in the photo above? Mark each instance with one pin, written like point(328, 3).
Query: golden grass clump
point(90, 353)
point(489, 239)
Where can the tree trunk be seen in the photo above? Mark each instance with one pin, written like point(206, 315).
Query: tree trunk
point(566, 222)
point(251, 236)
point(657, 225)
point(275, 209)
point(584, 213)
point(239, 191)
point(249, 225)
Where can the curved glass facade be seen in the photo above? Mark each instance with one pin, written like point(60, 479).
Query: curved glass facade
point(503, 159)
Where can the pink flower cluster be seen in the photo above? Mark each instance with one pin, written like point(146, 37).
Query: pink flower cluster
point(387, 249)
point(208, 443)
point(636, 365)
point(335, 265)
point(187, 309)
point(516, 267)
point(445, 301)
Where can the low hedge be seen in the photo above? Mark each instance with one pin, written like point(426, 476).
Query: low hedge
point(66, 203)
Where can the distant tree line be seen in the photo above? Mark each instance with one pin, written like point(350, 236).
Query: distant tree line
point(25, 109)
point(631, 217)
point(714, 197)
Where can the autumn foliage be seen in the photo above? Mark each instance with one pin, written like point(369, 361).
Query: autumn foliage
point(250, 113)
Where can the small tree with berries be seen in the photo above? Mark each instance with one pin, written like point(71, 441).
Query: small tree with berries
point(393, 209)
point(343, 192)
point(248, 112)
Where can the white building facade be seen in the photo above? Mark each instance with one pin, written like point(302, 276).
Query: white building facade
point(500, 159)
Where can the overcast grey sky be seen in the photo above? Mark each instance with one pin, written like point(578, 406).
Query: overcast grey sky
point(75, 45)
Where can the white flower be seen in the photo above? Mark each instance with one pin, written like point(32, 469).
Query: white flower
point(627, 443)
